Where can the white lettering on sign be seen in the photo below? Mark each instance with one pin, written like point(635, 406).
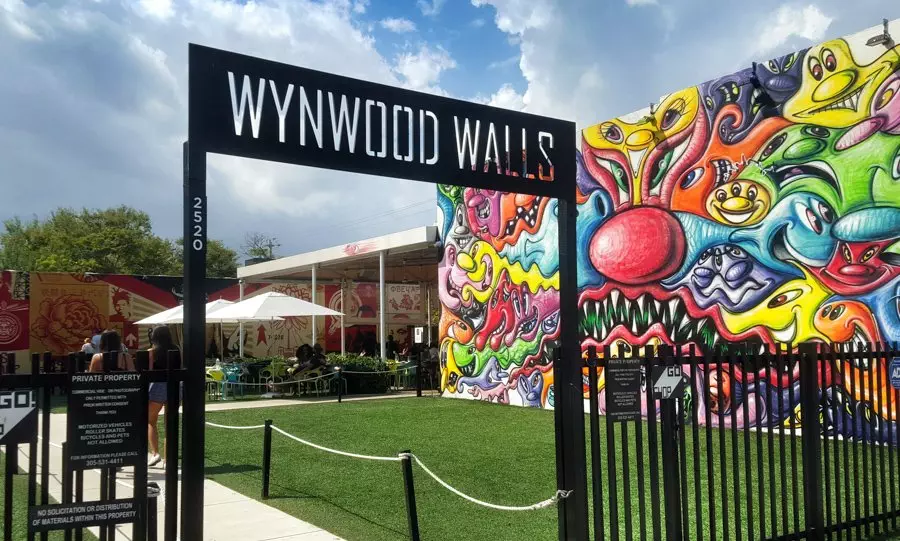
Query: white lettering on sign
point(343, 119)
point(668, 382)
point(246, 97)
point(473, 152)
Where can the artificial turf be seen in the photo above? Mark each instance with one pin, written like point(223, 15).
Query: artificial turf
point(20, 508)
point(504, 455)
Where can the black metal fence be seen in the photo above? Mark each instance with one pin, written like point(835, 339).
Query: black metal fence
point(782, 443)
point(45, 378)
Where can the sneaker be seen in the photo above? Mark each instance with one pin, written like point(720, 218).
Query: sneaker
point(153, 460)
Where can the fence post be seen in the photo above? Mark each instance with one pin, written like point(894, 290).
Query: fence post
point(671, 464)
point(12, 450)
point(811, 440)
point(152, 511)
point(419, 374)
point(409, 488)
point(340, 383)
point(267, 458)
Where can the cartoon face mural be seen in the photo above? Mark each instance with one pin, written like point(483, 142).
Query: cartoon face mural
point(627, 158)
point(836, 90)
point(753, 210)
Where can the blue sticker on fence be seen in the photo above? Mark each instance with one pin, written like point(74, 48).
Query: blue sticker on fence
point(895, 373)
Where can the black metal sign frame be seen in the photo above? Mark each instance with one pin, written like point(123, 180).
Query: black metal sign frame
point(254, 108)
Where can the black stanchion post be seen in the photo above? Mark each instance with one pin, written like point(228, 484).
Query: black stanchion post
point(419, 374)
point(152, 511)
point(812, 443)
point(410, 490)
point(340, 383)
point(267, 458)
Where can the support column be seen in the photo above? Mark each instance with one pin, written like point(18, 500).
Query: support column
point(343, 338)
point(313, 297)
point(381, 333)
point(194, 352)
point(240, 323)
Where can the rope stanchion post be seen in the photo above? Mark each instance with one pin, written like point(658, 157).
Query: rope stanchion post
point(267, 458)
point(152, 511)
point(340, 383)
point(410, 491)
point(419, 374)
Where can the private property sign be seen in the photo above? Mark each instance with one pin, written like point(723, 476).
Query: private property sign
point(247, 106)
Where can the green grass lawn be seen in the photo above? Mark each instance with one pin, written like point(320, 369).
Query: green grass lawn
point(500, 454)
point(20, 508)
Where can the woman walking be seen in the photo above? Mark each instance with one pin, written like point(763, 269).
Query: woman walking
point(162, 348)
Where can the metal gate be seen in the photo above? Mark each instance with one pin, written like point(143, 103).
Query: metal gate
point(49, 376)
point(779, 443)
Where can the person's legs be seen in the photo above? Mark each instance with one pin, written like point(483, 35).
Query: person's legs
point(153, 432)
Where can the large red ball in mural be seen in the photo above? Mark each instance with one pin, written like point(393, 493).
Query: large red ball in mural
point(638, 246)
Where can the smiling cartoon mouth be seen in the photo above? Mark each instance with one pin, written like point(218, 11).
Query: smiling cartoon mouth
point(787, 334)
point(483, 211)
point(736, 217)
point(528, 215)
point(724, 170)
point(850, 101)
point(790, 173)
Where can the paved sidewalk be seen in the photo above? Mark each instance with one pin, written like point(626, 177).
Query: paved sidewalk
point(227, 515)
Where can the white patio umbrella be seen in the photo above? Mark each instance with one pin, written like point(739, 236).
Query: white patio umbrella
point(272, 306)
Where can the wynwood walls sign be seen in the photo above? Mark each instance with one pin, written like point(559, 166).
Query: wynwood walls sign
point(296, 115)
point(254, 108)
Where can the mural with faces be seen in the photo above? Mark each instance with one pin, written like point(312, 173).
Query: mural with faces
point(774, 220)
point(755, 210)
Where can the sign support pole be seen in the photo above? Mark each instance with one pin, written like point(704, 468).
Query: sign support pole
point(193, 355)
point(571, 458)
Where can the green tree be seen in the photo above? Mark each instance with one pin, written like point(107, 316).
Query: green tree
point(117, 241)
point(221, 261)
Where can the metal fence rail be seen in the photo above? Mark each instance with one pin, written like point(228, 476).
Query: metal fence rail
point(777, 443)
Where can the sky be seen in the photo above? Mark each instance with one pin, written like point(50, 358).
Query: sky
point(94, 92)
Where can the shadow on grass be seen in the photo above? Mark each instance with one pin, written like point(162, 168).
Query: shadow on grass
point(293, 493)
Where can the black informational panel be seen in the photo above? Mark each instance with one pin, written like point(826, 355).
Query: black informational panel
point(45, 518)
point(256, 108)
point(105, 427)
point(18, 416)
point(623, 389)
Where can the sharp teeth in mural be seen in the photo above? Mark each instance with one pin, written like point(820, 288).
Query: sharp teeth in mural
point(756, 209)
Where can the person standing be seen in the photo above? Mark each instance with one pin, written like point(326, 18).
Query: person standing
point(88, 347)
point(111, 342)
point(161, 346)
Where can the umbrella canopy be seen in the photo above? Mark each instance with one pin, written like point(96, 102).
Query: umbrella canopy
point(175, 316)
point(272, 305)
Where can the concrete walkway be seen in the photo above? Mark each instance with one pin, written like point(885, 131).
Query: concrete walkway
point(227, 515)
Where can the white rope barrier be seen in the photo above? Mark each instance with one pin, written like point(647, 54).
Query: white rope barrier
point(560, 494)
point(335, 451)
point(254, 427)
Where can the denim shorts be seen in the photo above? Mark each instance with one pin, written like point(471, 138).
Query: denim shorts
point(159, 392)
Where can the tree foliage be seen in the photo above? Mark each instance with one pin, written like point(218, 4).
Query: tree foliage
point(116, 240)
point(259, 245)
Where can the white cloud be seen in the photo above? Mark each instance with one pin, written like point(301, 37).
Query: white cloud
point(421, 70)
point(641, 2)
point(101, 87)
point(432, 8)
point(508, 98)
point(159, 9)
point(505, 63)
point(398, 25)
point(360, 6)
point(806, 22)
point(476, 23)
point(516, 16)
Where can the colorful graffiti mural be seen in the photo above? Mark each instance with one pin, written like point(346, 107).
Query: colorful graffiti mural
point(55, 312)
point(758, 208)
